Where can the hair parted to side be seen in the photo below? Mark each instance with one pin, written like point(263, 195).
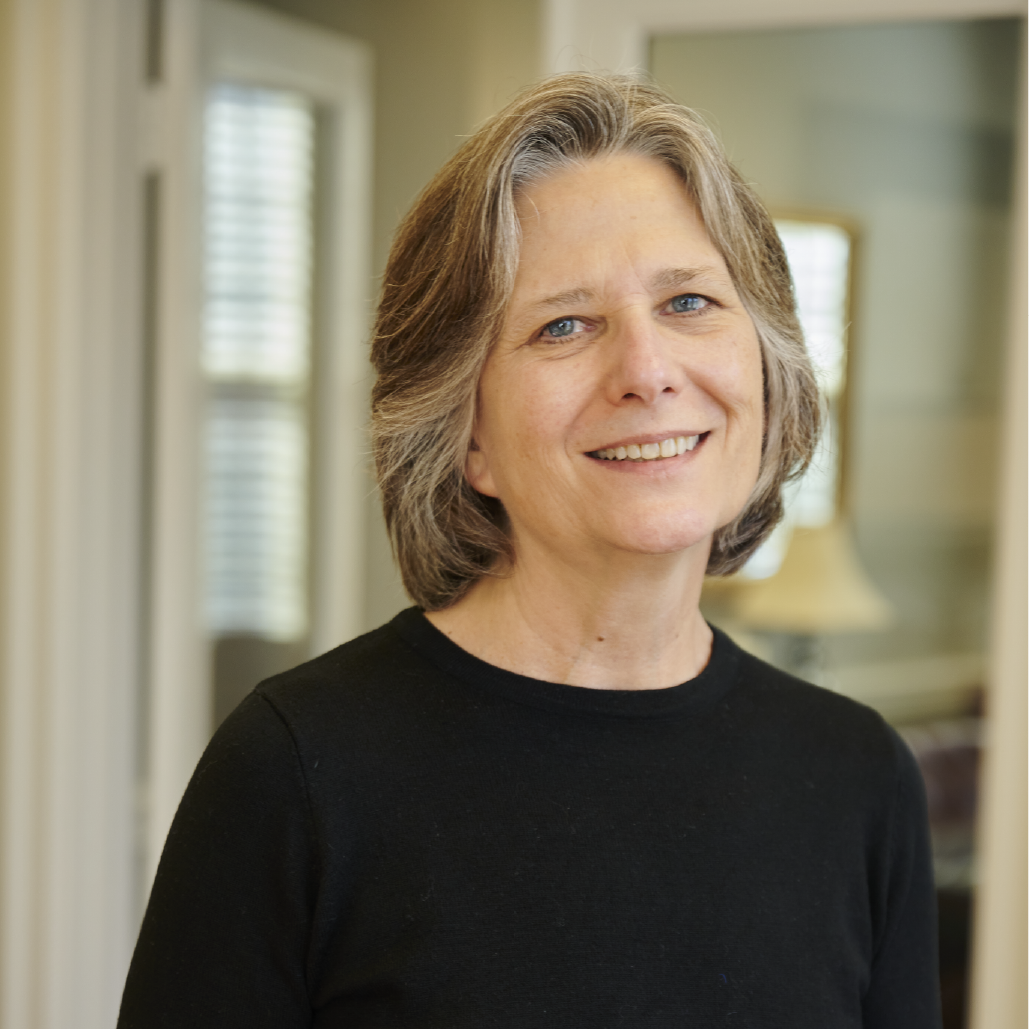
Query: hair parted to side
point(447, 283)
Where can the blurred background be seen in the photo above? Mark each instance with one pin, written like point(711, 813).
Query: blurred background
point(196, 200)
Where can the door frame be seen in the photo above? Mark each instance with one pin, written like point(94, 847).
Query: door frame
point(69, 489)
point(205, 40)
point(104, 702)
point(222, 39)
point(614, 35)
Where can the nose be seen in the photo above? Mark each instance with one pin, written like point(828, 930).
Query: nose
point(642, 365)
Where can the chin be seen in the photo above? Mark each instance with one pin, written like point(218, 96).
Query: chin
point(671, 537)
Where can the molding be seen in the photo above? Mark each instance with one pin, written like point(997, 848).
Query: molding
point(264, 47)
point(614, 35)
point(999, 956)
point(207, 39)
point(178, 717)
point(70, 410)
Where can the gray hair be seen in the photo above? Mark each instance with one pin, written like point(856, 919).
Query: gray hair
point(447, 284)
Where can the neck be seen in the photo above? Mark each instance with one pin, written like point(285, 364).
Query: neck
point(613, 621)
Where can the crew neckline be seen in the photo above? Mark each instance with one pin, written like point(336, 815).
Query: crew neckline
point(717, 677)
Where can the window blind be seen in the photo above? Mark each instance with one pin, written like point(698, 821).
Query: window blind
point(256, 355)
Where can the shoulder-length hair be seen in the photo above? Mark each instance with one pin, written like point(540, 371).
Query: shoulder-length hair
point(447, 284)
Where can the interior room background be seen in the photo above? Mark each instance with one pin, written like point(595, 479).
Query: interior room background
point(904, 128)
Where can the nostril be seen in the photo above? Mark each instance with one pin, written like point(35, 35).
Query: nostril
point(668, 389)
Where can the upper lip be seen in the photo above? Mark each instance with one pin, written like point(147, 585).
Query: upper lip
point(653, 437)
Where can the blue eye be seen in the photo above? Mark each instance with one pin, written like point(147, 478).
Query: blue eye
point(561, 327)
point(688, 302)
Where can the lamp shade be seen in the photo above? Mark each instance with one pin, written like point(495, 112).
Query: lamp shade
point(819, 588)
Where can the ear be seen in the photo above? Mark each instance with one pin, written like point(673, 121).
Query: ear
point(477, 471)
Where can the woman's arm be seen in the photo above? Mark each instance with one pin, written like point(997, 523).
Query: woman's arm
point(905, 989)
point(224, 941)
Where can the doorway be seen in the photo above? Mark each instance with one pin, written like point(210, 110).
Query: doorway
point(904, 132)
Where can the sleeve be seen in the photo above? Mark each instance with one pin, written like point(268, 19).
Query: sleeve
point(904, 992)
point(224, 940)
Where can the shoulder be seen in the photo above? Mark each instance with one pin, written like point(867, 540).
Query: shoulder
point(819, 731)
point(357, 703)
point(810, 711)
point(364, 671)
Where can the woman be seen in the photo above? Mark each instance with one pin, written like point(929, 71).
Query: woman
point(552, 795)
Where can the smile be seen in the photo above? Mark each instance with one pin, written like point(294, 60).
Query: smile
point(671, 447)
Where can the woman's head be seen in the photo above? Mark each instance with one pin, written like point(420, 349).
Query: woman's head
point(446, 297)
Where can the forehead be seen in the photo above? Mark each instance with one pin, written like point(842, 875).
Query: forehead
point(599, 180)
point(608, 217)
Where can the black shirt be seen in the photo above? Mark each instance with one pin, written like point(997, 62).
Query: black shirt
point(400, 835)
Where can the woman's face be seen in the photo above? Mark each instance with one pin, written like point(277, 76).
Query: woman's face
point(622, 406)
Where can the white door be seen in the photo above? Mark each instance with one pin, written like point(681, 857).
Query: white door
point(259, 210)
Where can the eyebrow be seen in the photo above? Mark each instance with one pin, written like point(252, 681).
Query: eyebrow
point(679, 278)
point(568, 297)
point(667, 278)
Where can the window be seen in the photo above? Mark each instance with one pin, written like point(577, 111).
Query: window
point(819, 254)
point(257, 356)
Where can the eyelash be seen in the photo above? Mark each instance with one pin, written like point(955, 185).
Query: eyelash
point(542, 335)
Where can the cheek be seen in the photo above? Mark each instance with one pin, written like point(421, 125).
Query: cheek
point(753, 397)
point(733, 378)
point(525, 426)
point(747, 387)
point(507, 424)
point(754, 418)
point(537, 405)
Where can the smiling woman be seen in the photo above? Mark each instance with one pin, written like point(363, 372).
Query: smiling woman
point(633, 365)
point(553, 795)
point(443, 307)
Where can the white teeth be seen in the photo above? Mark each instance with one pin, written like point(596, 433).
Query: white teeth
point(671, 447)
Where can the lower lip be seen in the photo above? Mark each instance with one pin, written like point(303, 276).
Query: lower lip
point(629, 465)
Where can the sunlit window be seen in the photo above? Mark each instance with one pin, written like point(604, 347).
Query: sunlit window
point(819, 254)
point(258, 178)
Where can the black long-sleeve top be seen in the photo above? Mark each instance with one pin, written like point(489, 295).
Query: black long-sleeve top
point(400, 835)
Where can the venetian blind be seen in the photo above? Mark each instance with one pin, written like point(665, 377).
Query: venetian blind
point(257, 280)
